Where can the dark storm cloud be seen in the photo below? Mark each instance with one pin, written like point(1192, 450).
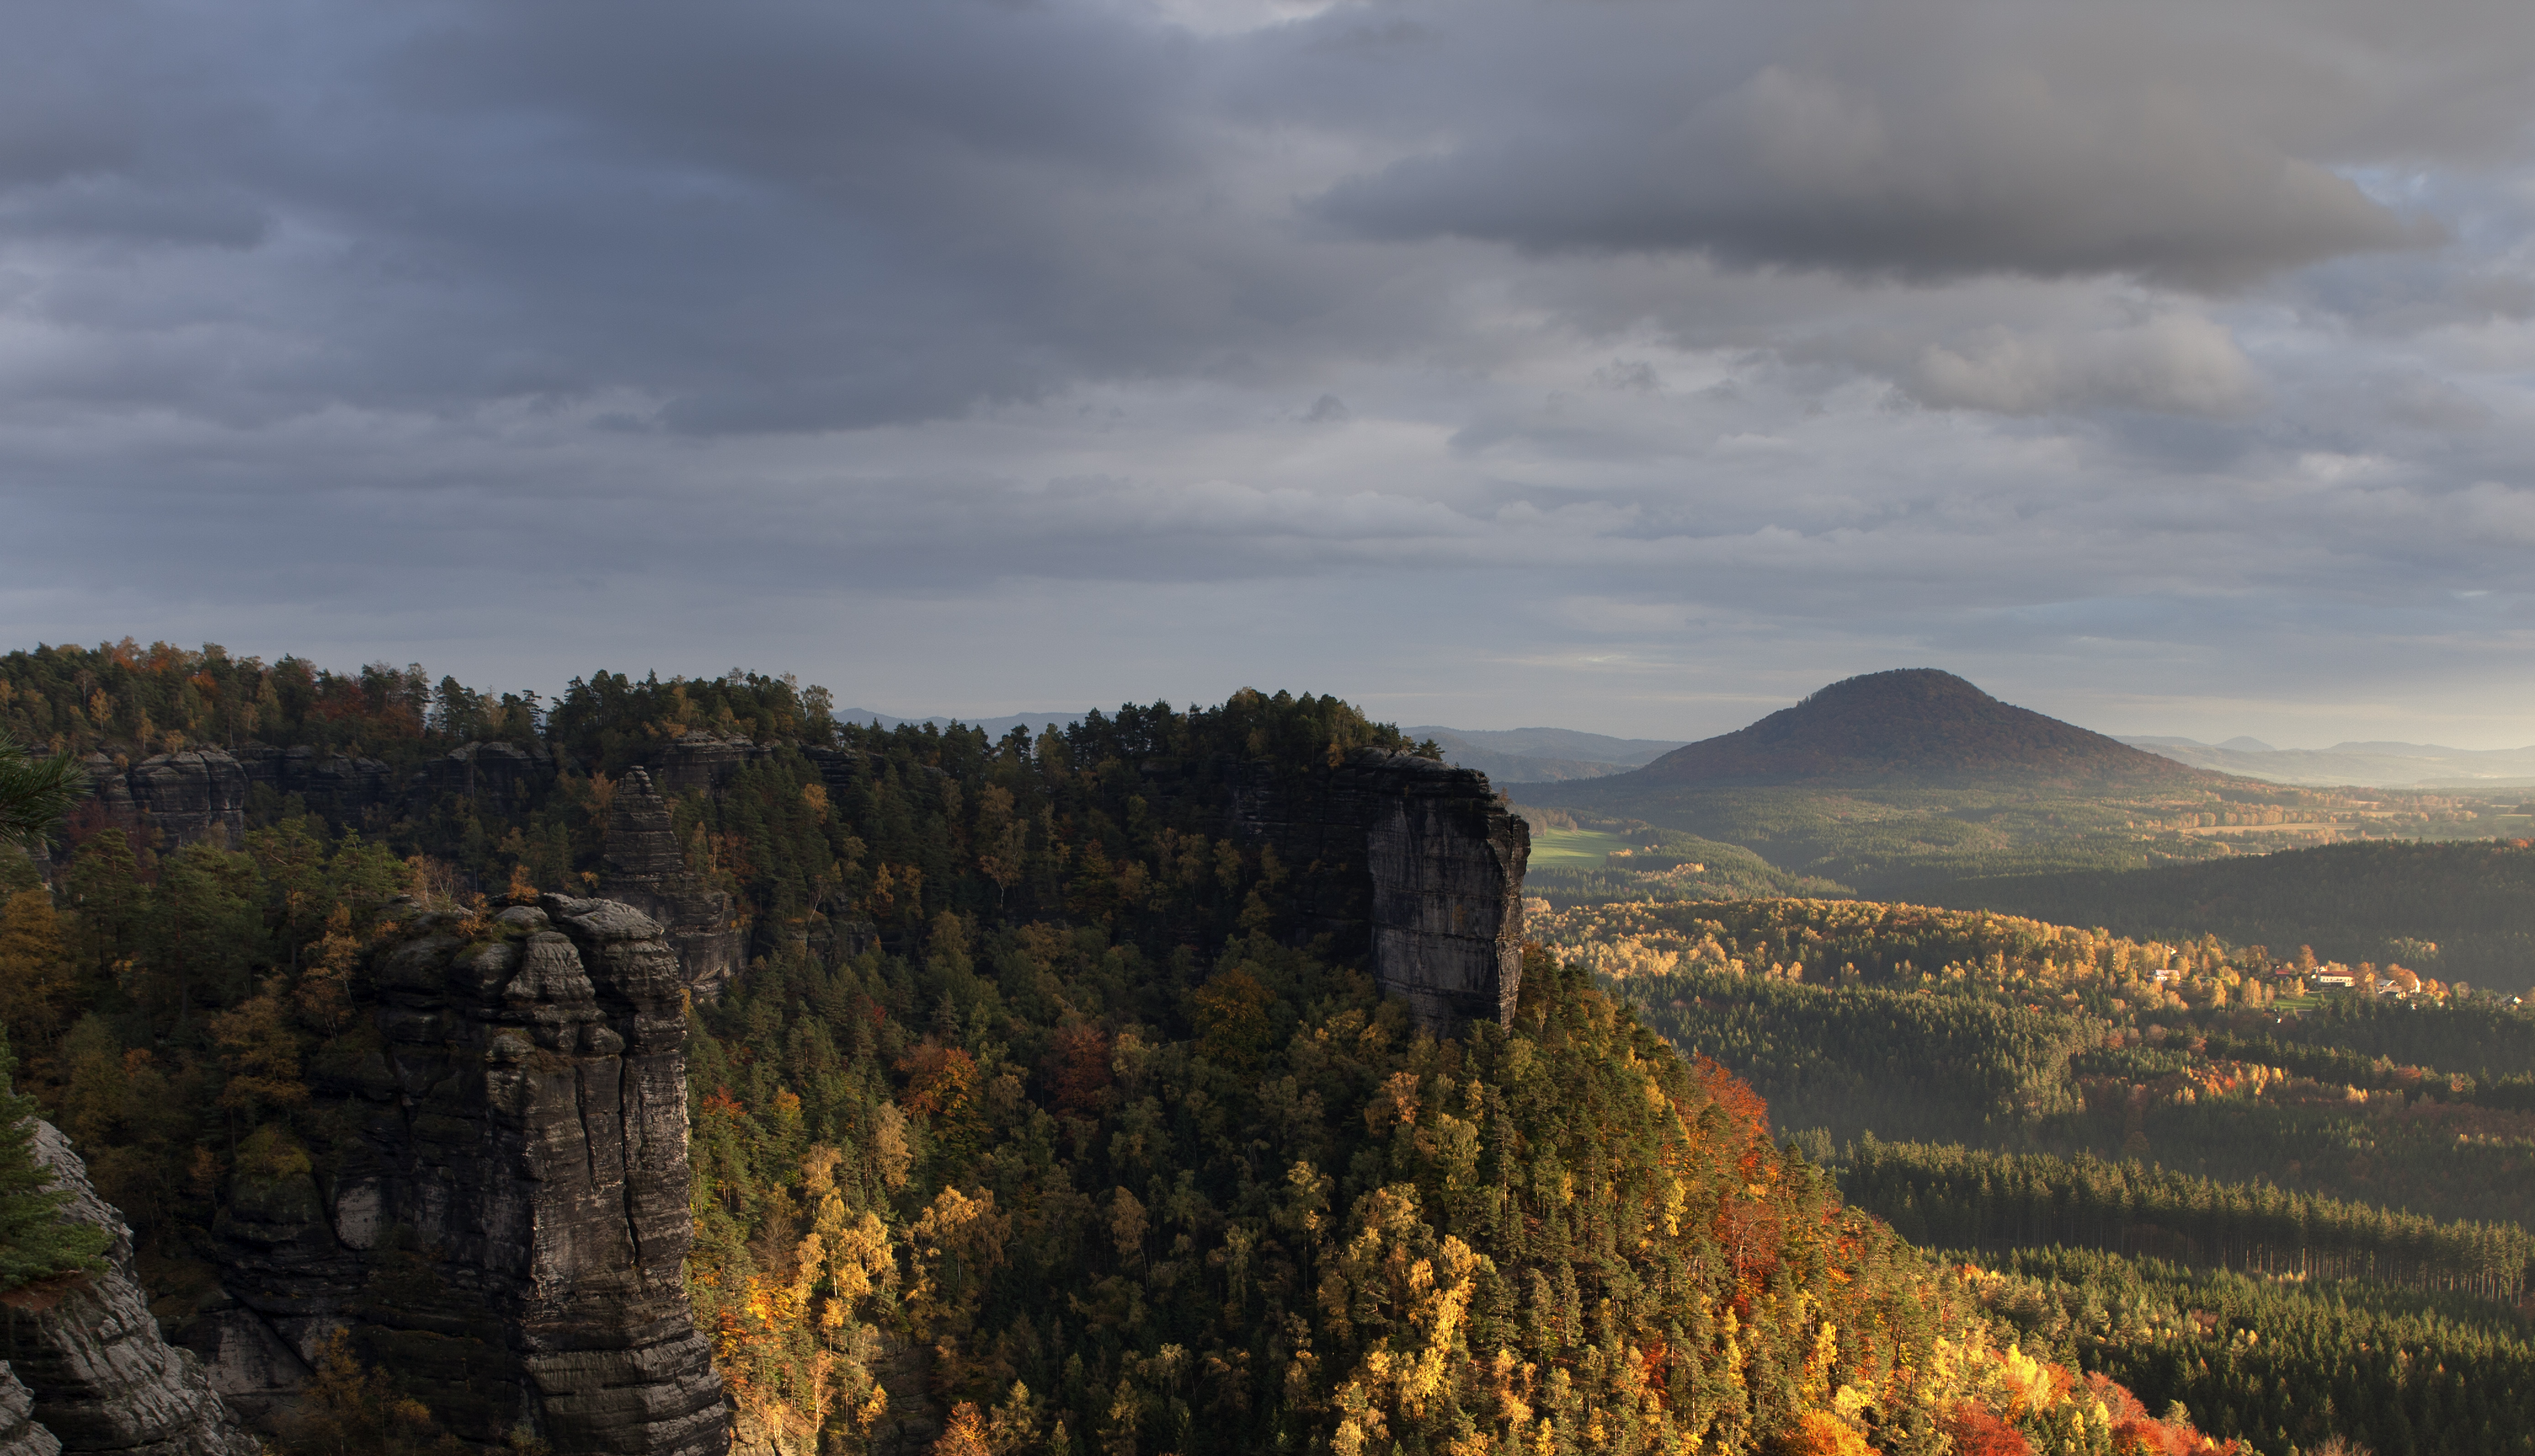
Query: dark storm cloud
point(797, 216)
point(1927, 141)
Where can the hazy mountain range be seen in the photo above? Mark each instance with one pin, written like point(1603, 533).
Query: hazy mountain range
point(1542, 754)
point(1515, 756)
point(2374, 764)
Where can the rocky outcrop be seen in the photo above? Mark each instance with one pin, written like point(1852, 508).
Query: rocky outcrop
point(508, 1230)
point(504, 772)
point(1411, 861)
point(173, 800)
point(697, 759)
point(200, 796)
point(646, 868)
point(89, 1370)
point(341, 788)
point(19, 1435)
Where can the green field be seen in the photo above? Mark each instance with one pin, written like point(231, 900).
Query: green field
point(1571, 848)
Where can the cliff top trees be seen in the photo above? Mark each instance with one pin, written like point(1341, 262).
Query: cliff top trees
point(35, 1242)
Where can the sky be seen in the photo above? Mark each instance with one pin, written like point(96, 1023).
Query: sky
point(1625, 365)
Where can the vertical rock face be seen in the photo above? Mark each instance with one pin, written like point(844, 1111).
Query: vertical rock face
point(503, 772)
point(697, 759)
point(195, 797)
point(509, 1232)
point(1421, 868)
point(89, 1370)
point(19, 1435)
point(646, 869)
point(1446, 866)
point(339, 788)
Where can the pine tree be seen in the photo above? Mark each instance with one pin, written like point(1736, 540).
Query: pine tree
point(35, 1242)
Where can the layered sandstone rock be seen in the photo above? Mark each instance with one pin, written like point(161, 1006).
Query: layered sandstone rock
point(646, 868)
point(509, 1229)
point(341, 788)
point(173, 800)
point(19, 1435)
point(505, 774)
point(697, 759)
point(87, 1370)
point(1415, 863)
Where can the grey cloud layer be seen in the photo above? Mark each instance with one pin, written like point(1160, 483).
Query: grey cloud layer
point(2054, 330)
point(786, 216)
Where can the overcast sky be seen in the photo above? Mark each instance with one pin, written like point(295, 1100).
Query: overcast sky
point(1624, 365)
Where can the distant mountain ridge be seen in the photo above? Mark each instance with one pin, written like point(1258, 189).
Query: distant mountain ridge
point(1910, 727)
point(2374, 764)
point(1541, 754)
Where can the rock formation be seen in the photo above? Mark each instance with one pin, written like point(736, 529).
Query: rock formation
point(697, 759)
point(339, 788)
point(1418, 863)
point(87, 1370)
point(200, 796)
point(646, 869)
point(19, 1435)
point(509, 1229)
point(503, 772)
point(195, 797)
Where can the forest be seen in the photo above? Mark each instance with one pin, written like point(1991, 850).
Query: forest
point(2352, 902)
point(1035, 1123)
point(2301, 1216)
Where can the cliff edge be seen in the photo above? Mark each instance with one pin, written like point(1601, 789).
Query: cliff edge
point(1414, 861)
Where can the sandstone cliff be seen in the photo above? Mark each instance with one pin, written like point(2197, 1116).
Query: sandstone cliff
point(509, 1229)
point(647, 870)
point(200, 796)
point(195, 797)
point(87, 1370)
point(1414, 861)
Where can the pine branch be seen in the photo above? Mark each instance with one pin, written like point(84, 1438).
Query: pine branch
point(35, 794)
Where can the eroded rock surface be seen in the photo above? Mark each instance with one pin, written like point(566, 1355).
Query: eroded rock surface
point(1420, 864)
point(646, 868)
point(19, 1435)
point(510, 1231)
point(697, 759)
point(195, 797)
point(90, 1371)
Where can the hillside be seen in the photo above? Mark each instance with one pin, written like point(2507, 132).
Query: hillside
point(1904, 785)
point(1912, 728)
point(2473, 901)
point(2303, 1220)
point(1046, 1113)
